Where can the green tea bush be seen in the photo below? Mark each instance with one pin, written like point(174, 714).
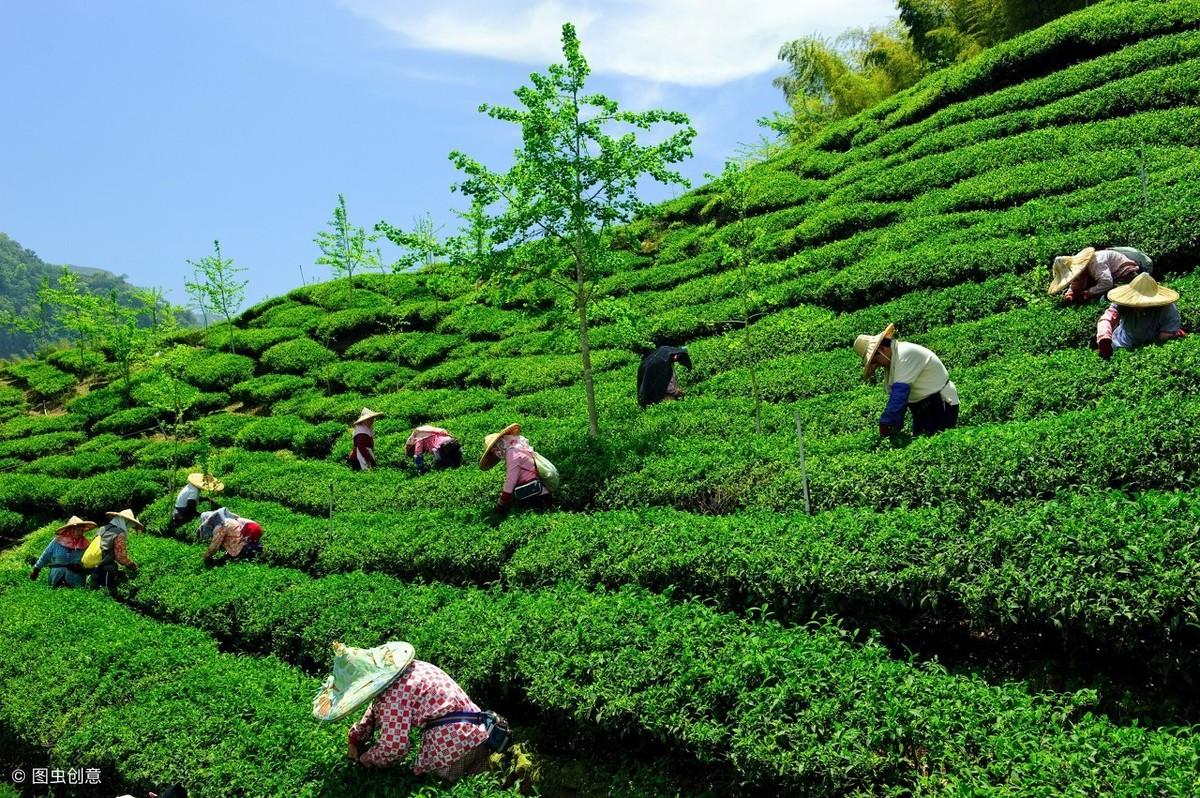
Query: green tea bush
point(699, 680)
point(221, 428)
point(33, 446)
point(128, 421)
point(410, 349)
point(270, 432)
point(79, 464)
point(364, 377)
point(76, 361)
point(11, 397)
point(31, 494)
point(24, 425)
point(176, 679)
point(343, 326)
point(300, 356)
point(269, 388)
point(99, 403)
point(11, 525)
point(215, 370)
point(481, 322)
point(112, 492)
point(165, 453)
point(251, 341)
point(43, 380)
point(338, 295)
point(290, 316)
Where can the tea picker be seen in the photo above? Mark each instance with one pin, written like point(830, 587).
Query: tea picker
point(443, 449)
point(405, 694)
point(108, 551)
point(656, 380)
point(530, 480)
point(362, 454)
point(916, 381)
point(240, 537)
point(64, 555)
point(185, 503)
point(1142, 312)
point(1091, 273)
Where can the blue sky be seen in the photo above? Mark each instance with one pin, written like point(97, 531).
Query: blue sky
point(137, 131)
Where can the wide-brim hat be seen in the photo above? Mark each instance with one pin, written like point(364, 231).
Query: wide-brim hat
point(128, 516)
point(359, 674)
point(367, 414)
point(73, 522)
point(205, 482)
point(1066, 268)
point(1143, 292)
point(489, 458)
point(867, 345)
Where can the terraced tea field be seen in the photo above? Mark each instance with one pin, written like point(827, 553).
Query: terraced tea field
point(1010, 608)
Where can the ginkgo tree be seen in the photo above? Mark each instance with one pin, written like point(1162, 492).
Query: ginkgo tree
point(575, 176)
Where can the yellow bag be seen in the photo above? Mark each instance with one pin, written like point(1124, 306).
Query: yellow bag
point(93, 555)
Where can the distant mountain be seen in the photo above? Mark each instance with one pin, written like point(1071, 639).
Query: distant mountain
point(21, 275)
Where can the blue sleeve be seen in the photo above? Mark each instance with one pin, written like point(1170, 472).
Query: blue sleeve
point(420, 461)
point(45, 558)
point(1171, 321)
point(893, 414)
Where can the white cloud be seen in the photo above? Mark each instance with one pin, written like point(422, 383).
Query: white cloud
point(683, 42)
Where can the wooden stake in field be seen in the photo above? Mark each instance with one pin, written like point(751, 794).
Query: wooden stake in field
point(803, 467)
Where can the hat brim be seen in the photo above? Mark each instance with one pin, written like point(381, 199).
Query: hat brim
point(363, 419)
point(1059, 284)
point(330, 705)
point(1126, 296)
point(211, 484)
point(868, 366)
point(489, 458)
point(81, 525)
point(129, 519)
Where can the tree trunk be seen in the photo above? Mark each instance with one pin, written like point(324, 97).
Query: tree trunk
point(753, 379)
point(585, 347)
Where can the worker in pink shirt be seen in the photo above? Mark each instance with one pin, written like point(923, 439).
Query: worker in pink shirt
point(1092, 273)
point(525, 484)
point(443, 449)
point(457, 738)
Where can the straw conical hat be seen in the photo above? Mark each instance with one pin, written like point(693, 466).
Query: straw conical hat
point(75, 521)
point(1066, 268)
point(205, 482)
point(1143, 292)
point(128, 516)
point(867, 345)
point(367, 414)
point(359, 674)
point(488, 458)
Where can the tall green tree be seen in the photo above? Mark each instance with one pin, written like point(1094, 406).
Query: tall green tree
point(77, 310)
point(830, 80)
point(574, 178)
point(344, 247)
point(216, 281)
point(419, 246)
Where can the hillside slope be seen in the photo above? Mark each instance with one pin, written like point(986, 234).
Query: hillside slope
point(1008, 608)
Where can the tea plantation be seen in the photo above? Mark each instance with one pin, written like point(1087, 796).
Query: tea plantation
point(1010, 608)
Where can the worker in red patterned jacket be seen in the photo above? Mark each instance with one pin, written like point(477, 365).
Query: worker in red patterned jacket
point(457, 738)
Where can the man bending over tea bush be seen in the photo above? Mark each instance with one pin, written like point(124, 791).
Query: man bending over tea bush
point(1142, 312)
point(916, 381)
